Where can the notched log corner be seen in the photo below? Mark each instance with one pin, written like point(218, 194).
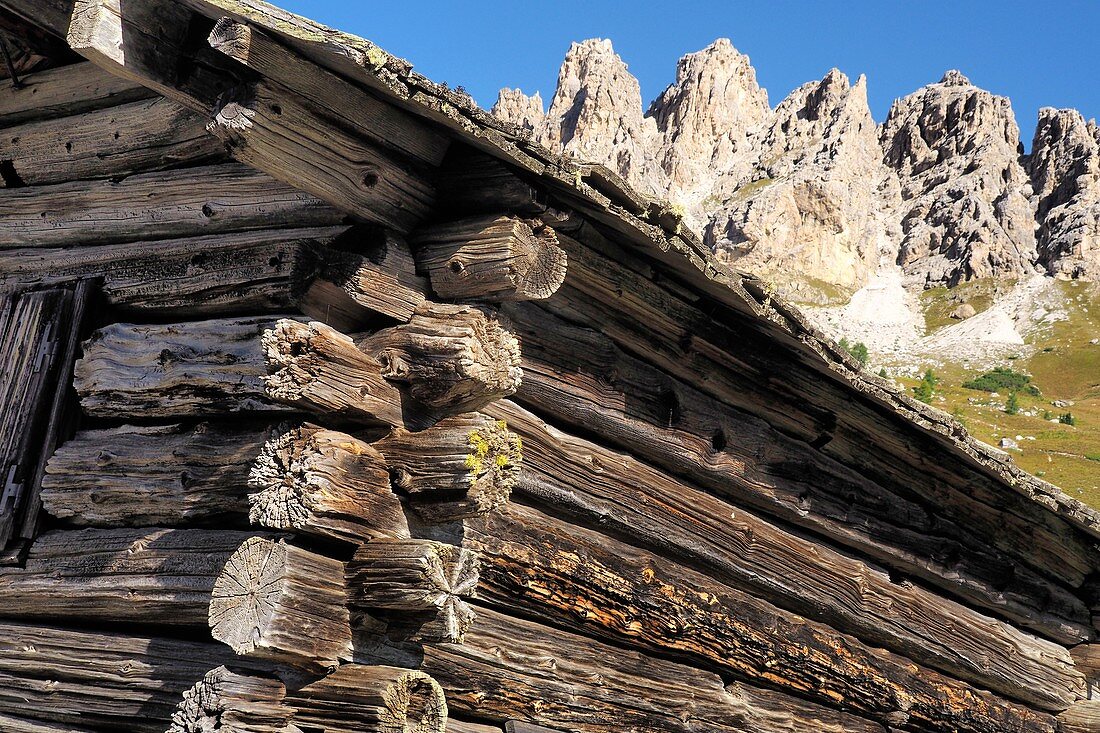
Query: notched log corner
point(224, 700)
point(371, 698)
point(493, 258)
point(325, 483)
point(279, 602)
point(461, 467)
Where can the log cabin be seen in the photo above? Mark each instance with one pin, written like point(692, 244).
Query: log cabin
point(332, 403)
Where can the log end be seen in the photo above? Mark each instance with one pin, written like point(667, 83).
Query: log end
point(494, 464)
point(227, 701)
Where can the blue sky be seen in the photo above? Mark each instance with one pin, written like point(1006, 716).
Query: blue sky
point(1037, 53)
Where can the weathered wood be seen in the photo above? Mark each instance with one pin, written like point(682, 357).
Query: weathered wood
point(329, 484)
point(221, 274)
point(462, 466)
point(276, 601)
point(541, 566)
point(471, 182)
point(290, 139)
point(12, 724)
point(355, 108)
point(377, 275)
point(130, 138)
point(626, 497)
point(463, 726)
point(579, 377)
point(1086, 657)
point(145, 575)
point(224, 700)
point(191, 202)
point(416, 575)
point(78, 680)
point(511, 669)
point(1083, 717)
point(493, 258)
point(458, 357)
point(65, 91)
point(322, 370)
point(371, 698)
point(35, 331)
point(122, 476)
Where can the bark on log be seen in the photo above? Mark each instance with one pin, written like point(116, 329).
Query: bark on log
point(276, 131)
point(457, 357)
point(579, 377)
point(378, 275)
point(324, 483)
point(511, 669)
point(540, 566)
point(357, 109)
point(320, 369)
point(493, 258)
point(214, 275)
point(119, 476)
point(462, 466)
point(371, 698)
point(77, 680)
point(143, 575)
point(279, 602)
point(628, 498)
point(224, 700)
point(1083, 717)
point(735, 359)
point(66, 91)
point(416, 575)
point(130, 138)
point(175, 204)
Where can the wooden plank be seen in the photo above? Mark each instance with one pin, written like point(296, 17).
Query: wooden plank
point(579, 377)
point(221, 274)
point(1084, 717)
point(464, 726)
point(471, 182)
point(626, 497)
point(540, 566)
point(512, 669)
point(161, 205)
point(275, 601)
point(94, 680)
point(493, 258)
point(362, 697)
point(280, 133)
point(354, 107)
point(65, 91)
point(143, 575)
point(141, 136)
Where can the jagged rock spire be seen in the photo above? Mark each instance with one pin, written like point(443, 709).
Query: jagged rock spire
point(514, 106)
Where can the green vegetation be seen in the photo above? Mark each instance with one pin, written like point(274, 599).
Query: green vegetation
point(1003, 379)
point(1012, 407)
point(927, 387)
point(1067, 419)
point(939, 303)
point(882, 373)
point(858, 350)
point(752, 187)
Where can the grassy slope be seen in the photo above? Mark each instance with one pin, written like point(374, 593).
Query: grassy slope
point(1065, 366)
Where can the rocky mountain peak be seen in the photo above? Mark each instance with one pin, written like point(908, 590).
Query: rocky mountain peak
point(955, 78)
point(526, 112)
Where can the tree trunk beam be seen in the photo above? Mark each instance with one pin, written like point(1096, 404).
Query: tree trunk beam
point(198, 201)
point(625, 497)
point(1083, 717)
point(320, 369)
point(66, 91)
point(416, 575)
point(379, 121)
point(119, 476)
point(66, 680)
point(279, 602)
point(371, 698)
point(208, 276)
point(457, 357)
point(472, 182)
point(541, 566)
point(324, 483)
point(276, 131)
point(143, 575)
point(234, 703)
point(512, 669)
point(577, 376)
point(494, 258)
point(462, 466)
point(130, 138)
point(378, 277)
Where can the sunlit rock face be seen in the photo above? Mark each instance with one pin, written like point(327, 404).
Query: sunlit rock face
point(1065, 175)
point(525, 112)
point(966, 211)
